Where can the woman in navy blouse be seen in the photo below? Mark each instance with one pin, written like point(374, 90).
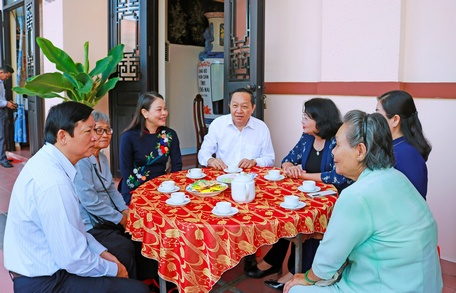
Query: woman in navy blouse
point(310, 159)
point(411, 149)
point(147, 144)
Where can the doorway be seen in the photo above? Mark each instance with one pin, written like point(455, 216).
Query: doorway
point(20, 24)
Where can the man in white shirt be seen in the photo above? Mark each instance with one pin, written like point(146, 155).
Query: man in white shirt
point(237, 138)
point(46, 247)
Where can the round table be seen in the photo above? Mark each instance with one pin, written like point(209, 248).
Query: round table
point(194, 247)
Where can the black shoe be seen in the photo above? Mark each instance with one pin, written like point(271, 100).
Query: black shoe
point(6, 164)
point(249, 262)
point(256, 273)
point(274, 285)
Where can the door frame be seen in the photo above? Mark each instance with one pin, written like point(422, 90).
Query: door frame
point(35, 121)
point(255, 24)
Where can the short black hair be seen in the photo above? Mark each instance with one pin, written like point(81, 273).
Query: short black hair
point(244, 90)
point(326, 115)
point(64, 116)
point(7, 69)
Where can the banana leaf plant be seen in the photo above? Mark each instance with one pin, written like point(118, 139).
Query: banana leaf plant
point(76, 80)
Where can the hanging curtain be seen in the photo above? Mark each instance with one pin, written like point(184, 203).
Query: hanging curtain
point(20, 125)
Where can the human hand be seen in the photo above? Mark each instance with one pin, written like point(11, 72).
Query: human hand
point(121, 270)
point(11, 105)
point(292, 171)
point(123, 222)
point(217, 164)
point(247, 164)
point(298, 279)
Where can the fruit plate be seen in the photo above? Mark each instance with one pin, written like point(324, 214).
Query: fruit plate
point(206, 188)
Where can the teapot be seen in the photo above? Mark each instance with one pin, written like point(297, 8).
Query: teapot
point(243, 188)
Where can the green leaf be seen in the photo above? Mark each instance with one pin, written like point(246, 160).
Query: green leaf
point(109, 85)
point(79, 67)
point(57, 56)
point(117, 54)
point(85, 83)
point(100, 66)
point(86, 57)
point(49, 82)
point(24, 91)
point(73, 97)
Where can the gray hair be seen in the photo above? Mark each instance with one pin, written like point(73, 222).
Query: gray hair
point(373, 131)
point(100, 117)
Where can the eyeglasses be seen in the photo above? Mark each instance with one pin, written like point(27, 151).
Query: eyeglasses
point(100, 131)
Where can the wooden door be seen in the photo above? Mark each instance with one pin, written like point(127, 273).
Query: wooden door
point(244, 50)
point(134, 23)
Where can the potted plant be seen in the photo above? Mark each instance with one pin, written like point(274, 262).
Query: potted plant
point(75, 79)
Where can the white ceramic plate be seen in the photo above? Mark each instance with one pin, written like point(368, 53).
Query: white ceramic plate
point(171, 203)
point(176, 188)
point(274, 179)
point(236, 171)
point(199, 177)
point(317, 188)
point(233, 212)
point(226, 178)
point(300, 205)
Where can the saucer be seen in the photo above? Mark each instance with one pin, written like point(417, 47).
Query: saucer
point(176, 188)
point(300, 205)
point(199, 177)
point(233, 212)
point(317, 188)
point(274, 179)
point(171, 203)
point(236, 171)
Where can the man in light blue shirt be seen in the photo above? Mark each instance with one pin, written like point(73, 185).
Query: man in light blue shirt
point(46, 247)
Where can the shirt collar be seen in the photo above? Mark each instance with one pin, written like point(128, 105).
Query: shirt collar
point(60, 158)
point(249, 124)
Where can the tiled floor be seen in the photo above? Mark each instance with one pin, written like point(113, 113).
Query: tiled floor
point(232, 281)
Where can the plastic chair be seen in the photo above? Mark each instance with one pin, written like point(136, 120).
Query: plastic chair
point(200, 123)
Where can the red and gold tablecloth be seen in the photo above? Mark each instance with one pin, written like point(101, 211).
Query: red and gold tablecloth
point(194, 247)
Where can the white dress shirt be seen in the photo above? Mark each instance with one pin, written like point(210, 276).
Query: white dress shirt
point(231, 145)
point(44, 232)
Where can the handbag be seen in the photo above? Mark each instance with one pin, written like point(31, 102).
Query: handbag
point(100, 222)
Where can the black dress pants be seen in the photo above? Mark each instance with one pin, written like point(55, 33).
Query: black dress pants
point(120, 245)
point(276, 255)
point(64, 282)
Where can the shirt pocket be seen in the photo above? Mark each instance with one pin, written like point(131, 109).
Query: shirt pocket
point(252, 151)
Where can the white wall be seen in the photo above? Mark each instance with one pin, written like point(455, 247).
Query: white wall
point(371, 40)
point(69, 24)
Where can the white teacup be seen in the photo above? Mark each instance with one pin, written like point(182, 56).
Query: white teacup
point(168, 185)
point(178, 197)
point(274, 174)
point(291, 200)
point(308, 185)
point(223, 207)
point(195, 172)
point(232, 167)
